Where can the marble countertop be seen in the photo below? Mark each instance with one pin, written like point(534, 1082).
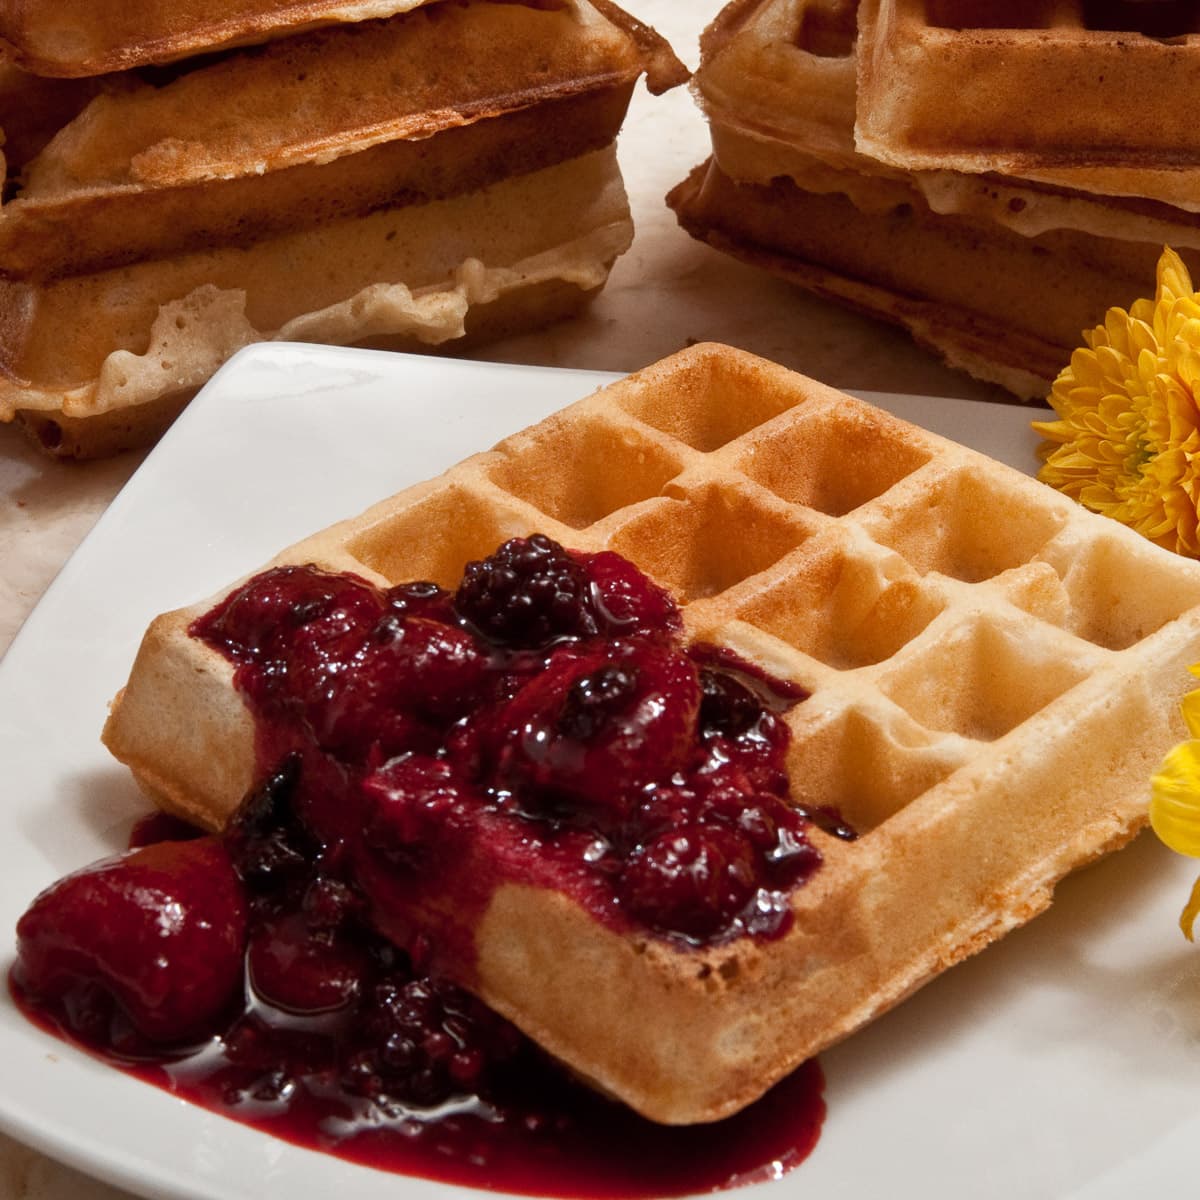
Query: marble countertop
point(665, 292)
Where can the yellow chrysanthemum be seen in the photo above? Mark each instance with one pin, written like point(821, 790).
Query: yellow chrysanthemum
point(1175, 800)
point(1128, 431)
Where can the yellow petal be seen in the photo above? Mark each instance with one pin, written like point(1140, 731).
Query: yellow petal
point(1190, 707)
point(1126, 440)
point(1175, 799)
point(1191, 910)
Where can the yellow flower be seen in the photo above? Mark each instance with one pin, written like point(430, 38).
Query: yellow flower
point(1175, 800)
point(1127, 439)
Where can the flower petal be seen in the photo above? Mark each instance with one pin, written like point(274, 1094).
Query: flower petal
point(1191, 910)
point(1175, 799)
point(1127, 439)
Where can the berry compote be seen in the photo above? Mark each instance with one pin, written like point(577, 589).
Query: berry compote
point(417, 748)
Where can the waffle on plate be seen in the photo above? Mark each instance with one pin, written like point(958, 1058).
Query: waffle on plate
point(992, 673)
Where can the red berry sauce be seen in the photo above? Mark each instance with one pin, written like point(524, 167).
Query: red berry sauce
point(544, 722)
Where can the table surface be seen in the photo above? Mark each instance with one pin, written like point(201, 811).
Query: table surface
point(666, 292)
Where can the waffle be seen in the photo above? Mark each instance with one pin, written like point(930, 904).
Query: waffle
point(994, 673)
point(778, 84)
point(788, 190)
point(317, 127)
point(33, 110)
point(1005, 308)
point(469, 267)
point(86, 37)
point(1092, 94)
point(188, 215)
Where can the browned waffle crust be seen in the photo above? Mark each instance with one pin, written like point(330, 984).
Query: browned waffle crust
point(996, 273)
point(317, 127)
point(1096, 94)
point(281, 191)
point(74, 38)
point(994, 672)
point(1004, 307)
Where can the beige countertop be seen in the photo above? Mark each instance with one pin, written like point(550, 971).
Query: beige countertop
point(666, 291)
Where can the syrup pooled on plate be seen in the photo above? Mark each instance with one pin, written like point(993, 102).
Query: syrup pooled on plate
point(548, 710)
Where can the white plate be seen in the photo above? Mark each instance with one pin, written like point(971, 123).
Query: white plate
point(1063, 1062)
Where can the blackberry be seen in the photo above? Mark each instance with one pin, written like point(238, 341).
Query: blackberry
point(529, 593)
point(727, 707)
point(267, 842)
point(424, 1040)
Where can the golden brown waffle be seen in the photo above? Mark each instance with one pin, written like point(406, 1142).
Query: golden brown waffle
point(1006, 308)
point(90, 37)
point(250, 196)
point(404, 277)
point(1092, 94)
point(782, 72)
point(998, 275)
point(994, 673)
point(321, 126)
point(778, 85)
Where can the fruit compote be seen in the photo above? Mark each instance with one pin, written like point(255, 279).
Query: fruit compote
point(544, 722)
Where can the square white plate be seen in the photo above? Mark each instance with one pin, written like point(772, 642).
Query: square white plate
point(1063, 1062)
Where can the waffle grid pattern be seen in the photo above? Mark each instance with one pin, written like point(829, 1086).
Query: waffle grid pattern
point(994, 673)
point(1038, 86)
point(783, 69)
point(798, 185)
point(932, 601)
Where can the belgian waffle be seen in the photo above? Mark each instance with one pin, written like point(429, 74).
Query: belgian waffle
point(85, 37)
point(330, 124)
point(465, 268)
point(1093, 94)
point(997, 274)
point(778, 83)
point(162, 208)
point(994, 672)
point(1005, 308)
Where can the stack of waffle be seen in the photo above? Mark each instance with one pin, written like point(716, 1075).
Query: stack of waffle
point(994, 673)
point(185, 179)
point(992, 175)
